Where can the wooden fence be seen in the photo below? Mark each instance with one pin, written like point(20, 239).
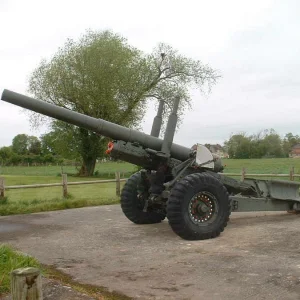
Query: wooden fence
point(243, 174)
point(64, 184)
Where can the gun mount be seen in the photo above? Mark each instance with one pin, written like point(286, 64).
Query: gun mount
point(186, 185)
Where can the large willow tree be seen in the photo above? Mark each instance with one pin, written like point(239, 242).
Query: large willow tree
point(101, 75)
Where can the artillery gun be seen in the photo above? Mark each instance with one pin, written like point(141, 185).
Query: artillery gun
point(186, 185)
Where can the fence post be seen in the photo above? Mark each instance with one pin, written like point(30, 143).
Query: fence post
point(243, 174)
point(65, 185)
point(2, 187)
point(26, 283)
point(118, 184)
point(292, 172)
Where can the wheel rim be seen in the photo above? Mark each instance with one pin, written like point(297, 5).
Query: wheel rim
point(140, 201)
point(203, 208)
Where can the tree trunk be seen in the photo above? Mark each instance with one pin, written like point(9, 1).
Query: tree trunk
point(88, 167)
point(91, 147)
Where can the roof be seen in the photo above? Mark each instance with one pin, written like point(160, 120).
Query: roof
point(297, 146)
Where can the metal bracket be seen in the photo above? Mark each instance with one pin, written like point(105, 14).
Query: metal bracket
point(234, 205)
point(296, 206)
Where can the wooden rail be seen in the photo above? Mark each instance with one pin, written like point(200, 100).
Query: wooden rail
point(291, 175)
point(64, 184)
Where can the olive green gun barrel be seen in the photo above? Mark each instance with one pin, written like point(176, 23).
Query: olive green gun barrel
point(105, 128)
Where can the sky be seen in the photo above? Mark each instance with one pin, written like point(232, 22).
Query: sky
point(254, 45)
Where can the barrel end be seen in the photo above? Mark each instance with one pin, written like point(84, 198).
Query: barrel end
point(4, 94)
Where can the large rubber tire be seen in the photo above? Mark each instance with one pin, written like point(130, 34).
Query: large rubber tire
point(131, 207)
point(179, 213)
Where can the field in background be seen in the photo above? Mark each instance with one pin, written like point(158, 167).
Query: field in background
point(45, 199)
point(102, 169)
point(259, 166)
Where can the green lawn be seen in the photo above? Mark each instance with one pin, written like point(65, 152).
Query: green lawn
point(259, 166)
point(50, 198)
point(101, 168)
point(79, 192)
point(23, 179)
point(273, 165)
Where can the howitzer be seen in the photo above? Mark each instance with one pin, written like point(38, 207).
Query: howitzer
point(186, 185)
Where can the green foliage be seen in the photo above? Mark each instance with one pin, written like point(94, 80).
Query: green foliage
point(239, 146)
point(3, 200)
point(34, 145)
point(266, 143)
point(20, 144)
point(289, 141)
point(48, 143)
point(30, 159)
point(23, 144)
point(5, 154)
point(11, 260)
point(102, 76)
point(27, 150)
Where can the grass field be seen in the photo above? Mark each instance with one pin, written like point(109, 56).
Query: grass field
point(101, 169)
point(50, 198)
point(259, 166)
point(272, 165)
point(45, 199)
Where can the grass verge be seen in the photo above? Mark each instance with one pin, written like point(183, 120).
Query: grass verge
point(11, 260)
point(40, 205)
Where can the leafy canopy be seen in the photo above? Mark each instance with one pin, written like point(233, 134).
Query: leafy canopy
point(101, 75)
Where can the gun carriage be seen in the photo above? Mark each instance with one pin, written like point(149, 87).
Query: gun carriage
point(184, 185)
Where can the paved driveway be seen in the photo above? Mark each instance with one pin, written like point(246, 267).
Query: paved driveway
point(256, 257)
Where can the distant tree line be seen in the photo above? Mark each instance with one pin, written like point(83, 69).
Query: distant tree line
point(48, 149)
point(266, 143)
point(30, 150)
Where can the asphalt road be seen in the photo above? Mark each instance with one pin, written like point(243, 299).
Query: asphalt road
point(256, 257)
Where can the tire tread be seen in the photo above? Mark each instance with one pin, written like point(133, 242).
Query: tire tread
point(129, 207)
point(174, 207)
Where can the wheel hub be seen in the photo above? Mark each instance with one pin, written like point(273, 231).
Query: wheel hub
point(202, 207)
